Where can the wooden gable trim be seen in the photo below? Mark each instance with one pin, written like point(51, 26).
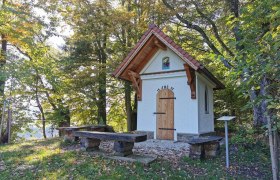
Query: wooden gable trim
point(178, 50)
point(191, 80)
point(160, 45)
point(163, 72)
point(161, 41)
point(133, 53)
point(136, 83)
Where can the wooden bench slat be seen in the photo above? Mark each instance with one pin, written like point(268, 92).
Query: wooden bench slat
point(112, 136)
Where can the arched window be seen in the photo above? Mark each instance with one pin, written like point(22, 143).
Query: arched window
point(206, 100)
point(165, 63)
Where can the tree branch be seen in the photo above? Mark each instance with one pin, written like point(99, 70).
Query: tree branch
point(197, 28)
point(39, 78)
point(23, 53)
point(214, 28)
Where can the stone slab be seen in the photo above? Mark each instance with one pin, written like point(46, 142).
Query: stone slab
point(112, 136)
point(143, 159)
point(205, 139)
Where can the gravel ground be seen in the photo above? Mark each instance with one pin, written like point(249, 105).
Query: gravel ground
point(162, 145)
point(163, 149)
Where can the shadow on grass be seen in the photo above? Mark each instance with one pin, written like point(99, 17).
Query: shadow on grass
point(245, 163)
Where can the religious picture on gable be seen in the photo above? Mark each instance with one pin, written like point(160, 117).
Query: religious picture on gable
point(165, 63)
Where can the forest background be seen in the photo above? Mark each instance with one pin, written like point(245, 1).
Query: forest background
point(52, 85)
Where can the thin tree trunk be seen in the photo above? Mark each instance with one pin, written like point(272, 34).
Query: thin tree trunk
point(2, 120)
point(2, 79)
point(65, 113)
point(9, 124)
point(276, 152)
point(134, 114)
point(41, 110)
point(3, 60)
point(127, 96)
point(101, 103)
point(2, 76)
point(126, 33)
point(272, 137)
point(102, 117)
point(274, 161)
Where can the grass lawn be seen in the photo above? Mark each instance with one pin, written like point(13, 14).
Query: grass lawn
point(49, 159)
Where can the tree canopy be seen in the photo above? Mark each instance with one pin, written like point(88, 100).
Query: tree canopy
point(239, 41)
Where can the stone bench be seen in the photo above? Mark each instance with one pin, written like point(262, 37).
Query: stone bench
point(68, 132)
point(123, 144)
point(208, 146)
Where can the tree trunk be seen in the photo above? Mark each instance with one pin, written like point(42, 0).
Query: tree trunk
point(102, 117)
point(258, 109)
point(134, 115)
point(102, 98)
point(276, 150)
point(41, 111)
point(272, 147)
point(101, 103)
point(9, 124)
point(3, 61)
point(127, 96)
point(2, 80)
point(65, 114)
point(2, 64)
point(2, 120)
point(2, 77)
point(272, 133)
point(259, 118)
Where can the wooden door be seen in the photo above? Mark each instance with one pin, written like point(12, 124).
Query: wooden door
point(165, 114)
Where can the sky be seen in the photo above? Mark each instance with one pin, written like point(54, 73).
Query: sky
point(63, 30)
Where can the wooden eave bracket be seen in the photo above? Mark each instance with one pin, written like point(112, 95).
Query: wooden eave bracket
point(136, 83)
point(191, 80)
point(159, 44)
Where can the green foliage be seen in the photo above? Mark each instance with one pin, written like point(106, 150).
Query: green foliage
point(244, 136)
point(74, 78)
point(50, 158)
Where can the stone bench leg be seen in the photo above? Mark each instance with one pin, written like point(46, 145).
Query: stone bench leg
point(90, 144)
point(212, 149)
point(68, 136)
point(123, 148)
point(197, 151)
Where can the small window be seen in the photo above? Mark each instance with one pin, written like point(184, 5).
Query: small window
point(206, 101)
point(165, 63)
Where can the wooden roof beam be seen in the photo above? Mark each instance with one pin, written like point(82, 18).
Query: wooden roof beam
point(160, 45)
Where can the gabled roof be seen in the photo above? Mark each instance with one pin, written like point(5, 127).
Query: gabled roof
point(153, 40)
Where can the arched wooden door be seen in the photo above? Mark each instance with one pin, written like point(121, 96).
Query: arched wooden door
point(165, 114)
